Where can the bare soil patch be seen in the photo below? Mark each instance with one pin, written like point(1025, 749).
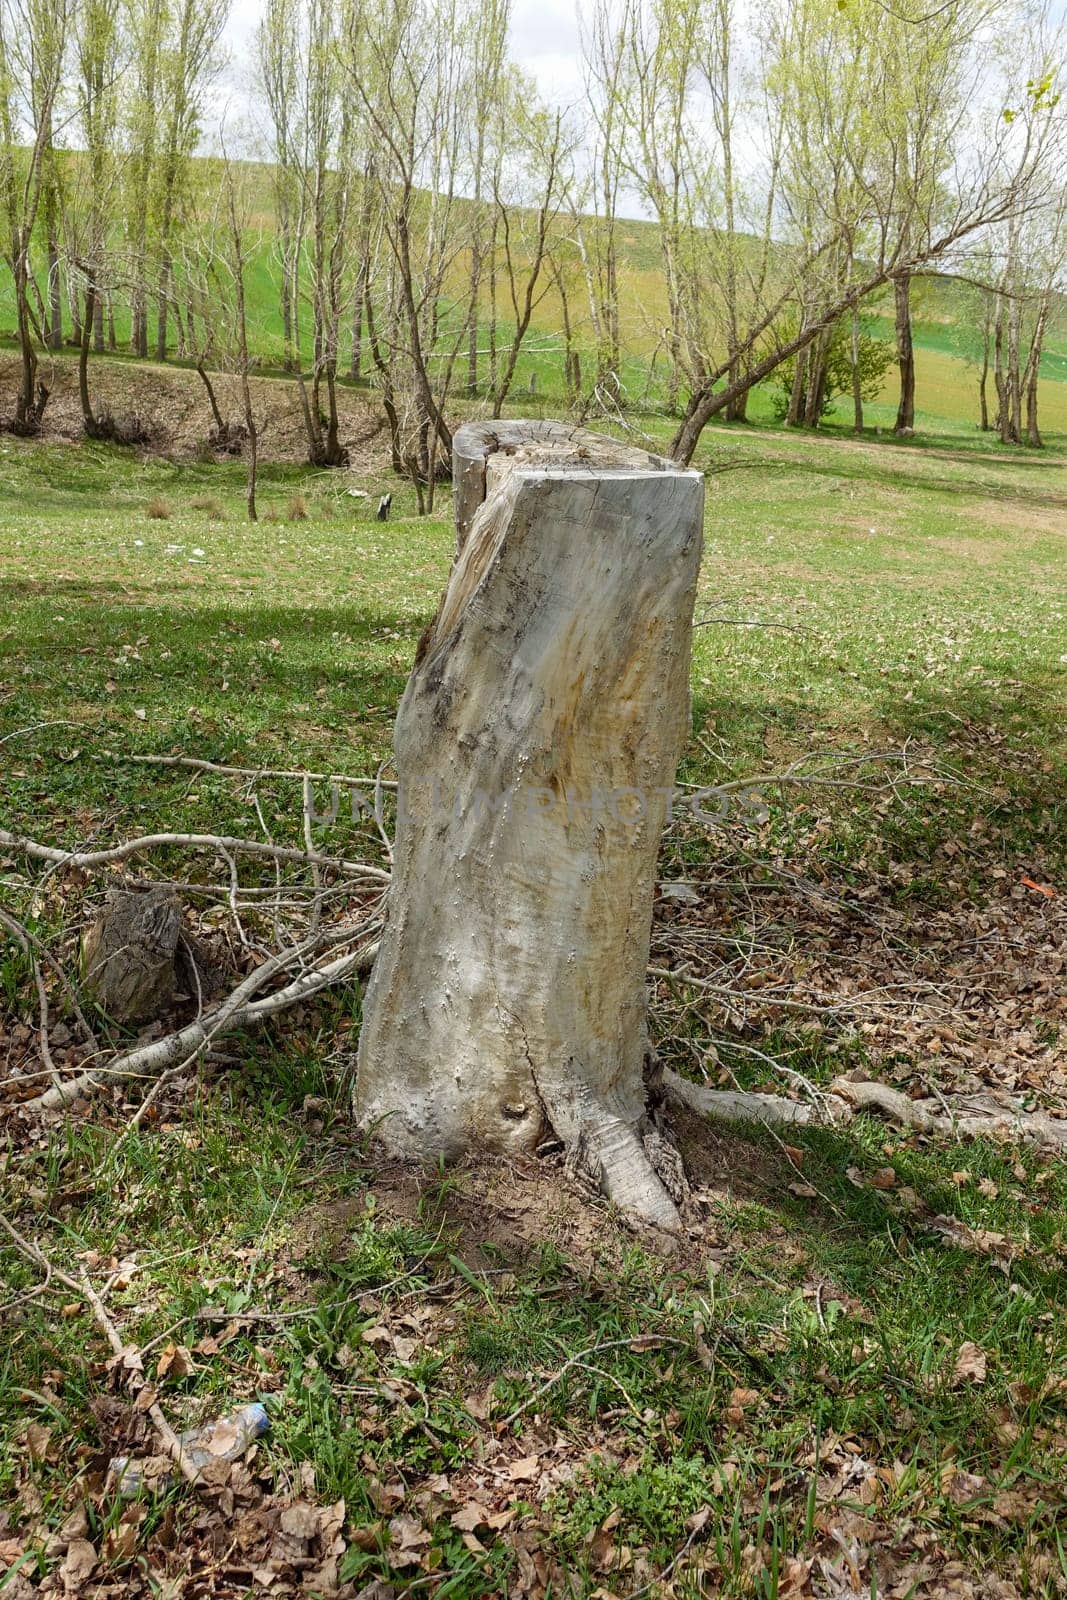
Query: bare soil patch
point(172, 403)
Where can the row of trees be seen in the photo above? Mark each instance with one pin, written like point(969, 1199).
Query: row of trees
point(427, 211)
point(404, 151)
point(101, 109)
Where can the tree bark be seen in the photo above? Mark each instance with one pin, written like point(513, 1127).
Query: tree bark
point(1033, 370)
point(88, 415)
point(905, 422)
point(536, 747)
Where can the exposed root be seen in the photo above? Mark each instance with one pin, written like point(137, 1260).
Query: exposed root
point(737, 1106)
point(970, 1120)
point(627, 1176)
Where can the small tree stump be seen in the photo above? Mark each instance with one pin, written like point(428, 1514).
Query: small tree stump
point(536, 746)
point(128, 953)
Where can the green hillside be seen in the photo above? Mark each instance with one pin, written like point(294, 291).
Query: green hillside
point(946, 331)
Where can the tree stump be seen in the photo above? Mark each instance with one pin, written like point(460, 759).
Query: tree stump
point(536, 747)
point(128, 953)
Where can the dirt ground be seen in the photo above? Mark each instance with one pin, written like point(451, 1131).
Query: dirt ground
point(172, 402)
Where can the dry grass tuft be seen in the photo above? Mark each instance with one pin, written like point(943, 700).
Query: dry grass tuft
point(209, 506)
point(158, 509)
point(298, 508)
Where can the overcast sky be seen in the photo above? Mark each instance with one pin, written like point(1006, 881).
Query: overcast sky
point(544, 40)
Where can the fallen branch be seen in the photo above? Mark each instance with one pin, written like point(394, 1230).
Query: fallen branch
point(22, 939)
point(197, 765)
point(237, 1011)
point(578, 1360)
point(26, 937)
point(189, 841)
point(172, 1445)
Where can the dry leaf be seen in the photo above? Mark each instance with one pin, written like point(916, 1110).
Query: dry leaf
point(470, 1517)
point(120, 1544)
point(38, 1439)
point(176, 1361)
point(971, 1363)
point(961, 1487)
point(739, 1400)
point(300, 1520)
point(331, 1524)
point(79, 1564)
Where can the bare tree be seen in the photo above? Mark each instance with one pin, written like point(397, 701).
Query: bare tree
point(858, 214)
point(145, 24)
point(524, 232)
point(487, 118)
point(33, 41)
point(316, 139)
point(218, 256)
point(605, 61)
point(414, 83)
point(187, 64)
point(100, 63)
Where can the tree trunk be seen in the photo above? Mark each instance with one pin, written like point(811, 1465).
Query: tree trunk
point(212, 400)
point(88, 415)
point(536, 747)
point(813, 400)
point(797, 392)
point(1033, 371)
point(983, 403)
point(905, 422)
point(1014, 375)
point(32, 396)
point(857, 387)
point(55, 297)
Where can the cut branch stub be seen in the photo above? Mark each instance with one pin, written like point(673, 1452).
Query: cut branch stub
point(128, 953)
point(536, 746)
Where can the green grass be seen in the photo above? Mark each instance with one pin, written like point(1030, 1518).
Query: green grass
point(900, 596)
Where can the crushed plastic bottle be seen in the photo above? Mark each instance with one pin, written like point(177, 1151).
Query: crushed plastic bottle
point(223, 1439)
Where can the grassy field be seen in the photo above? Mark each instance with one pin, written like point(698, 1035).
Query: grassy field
point(850, 1378)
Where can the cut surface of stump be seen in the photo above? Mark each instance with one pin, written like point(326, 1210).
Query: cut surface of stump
point(536, 747)
point(128, 953)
